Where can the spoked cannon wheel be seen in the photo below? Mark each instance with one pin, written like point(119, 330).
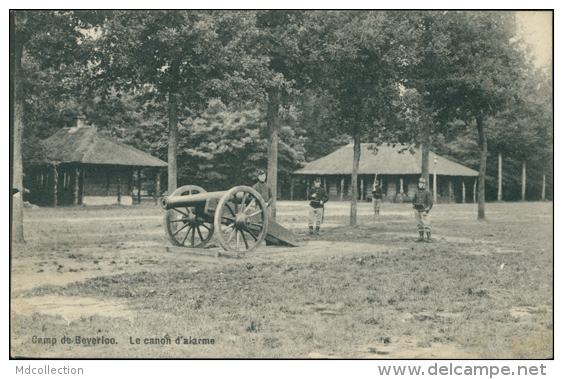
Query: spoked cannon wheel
point(186, 227)
point(241, 220)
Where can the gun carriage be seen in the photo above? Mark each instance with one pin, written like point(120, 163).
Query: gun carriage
point(238, 218)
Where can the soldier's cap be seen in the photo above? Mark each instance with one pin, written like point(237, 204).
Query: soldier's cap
point(261, 172)
point(317, 179)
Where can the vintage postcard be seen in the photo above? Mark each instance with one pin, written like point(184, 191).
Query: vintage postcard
point(281, 185)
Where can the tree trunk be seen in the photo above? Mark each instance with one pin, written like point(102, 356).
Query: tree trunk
point(272, 120)
point(499, 196)
point(425, 147)
point(482, 167)
point(173, 127)
point(524, 181)
point(354, 184)
point(16, 131)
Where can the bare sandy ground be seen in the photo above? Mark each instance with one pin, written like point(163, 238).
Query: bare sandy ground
point(31, 270)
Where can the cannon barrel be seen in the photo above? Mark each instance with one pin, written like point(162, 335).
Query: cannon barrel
point(169, 202)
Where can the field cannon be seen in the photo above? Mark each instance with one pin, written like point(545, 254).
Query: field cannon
point(238, 218)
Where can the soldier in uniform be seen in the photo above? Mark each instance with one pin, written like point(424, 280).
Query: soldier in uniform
point(264, 190)
point(318, 198)
point(422, 203)
point(377, 194)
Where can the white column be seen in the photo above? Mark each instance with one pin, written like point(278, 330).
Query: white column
point(55, 186)
point(76, 184)
point(543, 188)
point(292, 181)
point(435, 184)
point(463, 191)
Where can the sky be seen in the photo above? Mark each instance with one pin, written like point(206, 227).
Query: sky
point(537, 30)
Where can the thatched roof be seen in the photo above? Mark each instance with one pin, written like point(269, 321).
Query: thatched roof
point(386, 160)
point(86, 145)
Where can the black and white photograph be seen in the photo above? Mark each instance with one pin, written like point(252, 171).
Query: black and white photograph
point(282, 185)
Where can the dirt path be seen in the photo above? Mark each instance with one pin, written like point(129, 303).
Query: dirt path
point(81, 264)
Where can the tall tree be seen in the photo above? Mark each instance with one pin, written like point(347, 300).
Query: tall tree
point(51, 39)
point(16, 129)
point(182, 57)
point(279, 44)
point(421, 42)
point(296, 45)
point(362, 78)
point(525, 133)
point(478, 66)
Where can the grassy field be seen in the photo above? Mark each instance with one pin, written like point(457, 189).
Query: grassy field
point(481, 289)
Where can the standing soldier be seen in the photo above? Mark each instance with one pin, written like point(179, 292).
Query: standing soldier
point(318, 198)
point(264, 190)
point(377, 194)
point(422, 203)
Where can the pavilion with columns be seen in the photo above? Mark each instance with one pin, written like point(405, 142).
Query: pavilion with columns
point(397, 168)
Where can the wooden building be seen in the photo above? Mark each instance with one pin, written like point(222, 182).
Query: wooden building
point(397, 168)
point(83, 166)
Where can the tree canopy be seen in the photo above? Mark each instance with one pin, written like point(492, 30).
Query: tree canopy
point(200, 88)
